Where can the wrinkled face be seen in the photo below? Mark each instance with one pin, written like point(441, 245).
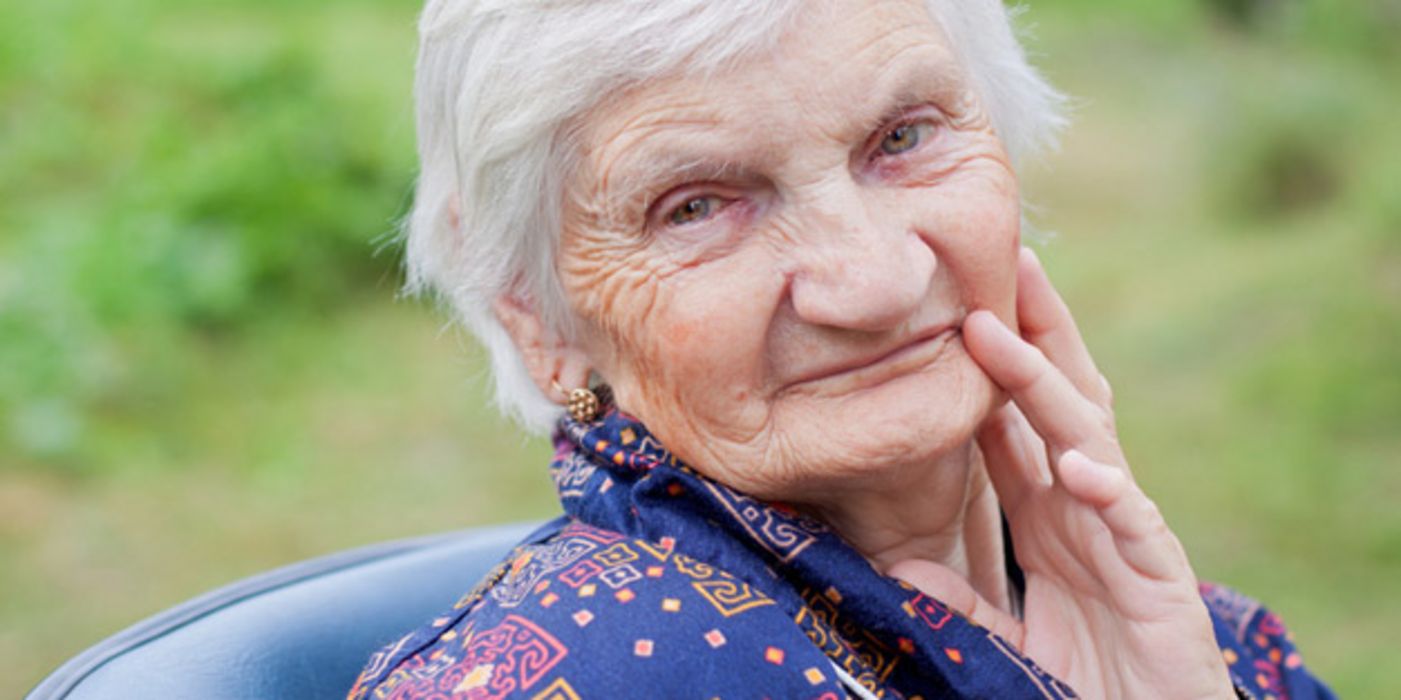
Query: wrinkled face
point(772, 264)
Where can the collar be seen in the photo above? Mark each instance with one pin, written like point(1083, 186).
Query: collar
point(614, 474)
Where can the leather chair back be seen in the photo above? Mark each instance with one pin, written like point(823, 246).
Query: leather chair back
point(302, 631)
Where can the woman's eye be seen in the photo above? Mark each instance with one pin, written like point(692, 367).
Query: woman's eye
point(693, 210)
point(905, 138)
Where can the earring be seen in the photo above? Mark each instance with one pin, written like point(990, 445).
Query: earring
point(582, 403)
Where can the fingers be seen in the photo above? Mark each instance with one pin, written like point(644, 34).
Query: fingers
point(942, 583)
point(1013, 456)
point(1141, 535)
point(1063, 416)
point(1046, 322)
point(1092, 483)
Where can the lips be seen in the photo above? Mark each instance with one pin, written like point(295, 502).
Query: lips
point(881, 364)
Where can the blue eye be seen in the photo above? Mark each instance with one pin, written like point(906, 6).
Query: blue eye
point(904, 138)
point(692, 210)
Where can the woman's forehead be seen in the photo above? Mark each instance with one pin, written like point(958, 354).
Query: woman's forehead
point(835, 75)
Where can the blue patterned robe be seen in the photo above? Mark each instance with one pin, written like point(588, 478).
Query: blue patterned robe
point(660, 583)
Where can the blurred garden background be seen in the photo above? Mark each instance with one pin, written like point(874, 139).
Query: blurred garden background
point(206, 371)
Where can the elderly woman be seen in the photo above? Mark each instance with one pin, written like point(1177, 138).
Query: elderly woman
point(831, 432)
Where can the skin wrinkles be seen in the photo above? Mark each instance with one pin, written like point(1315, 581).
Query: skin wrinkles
point(979, 143)
point(778, 342)
point(699, 327)
point(899, 42)
point(960, 163)
point(621, 196)
point(619, 150)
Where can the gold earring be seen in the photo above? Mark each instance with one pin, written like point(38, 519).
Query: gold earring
point(582, 403)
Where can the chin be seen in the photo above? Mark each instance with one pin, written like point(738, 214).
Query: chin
point(933, 412)
point(915, 418)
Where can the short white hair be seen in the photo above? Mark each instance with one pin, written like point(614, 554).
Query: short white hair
point(498, 81)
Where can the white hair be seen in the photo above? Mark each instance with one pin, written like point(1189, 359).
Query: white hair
point(497, 82)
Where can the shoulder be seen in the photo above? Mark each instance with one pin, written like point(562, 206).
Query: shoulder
point(1259, 650)
point(588, 612)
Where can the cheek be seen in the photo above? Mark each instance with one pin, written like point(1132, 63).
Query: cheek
point(974, 227)
point(601, 284)
point(612, 294)
point(709, 328)
point(679, 335)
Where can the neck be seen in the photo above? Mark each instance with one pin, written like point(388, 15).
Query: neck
point(945, 512)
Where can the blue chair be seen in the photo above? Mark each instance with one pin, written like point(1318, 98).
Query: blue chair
point(302, 631)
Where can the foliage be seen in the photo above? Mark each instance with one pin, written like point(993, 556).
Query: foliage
point(171, 180)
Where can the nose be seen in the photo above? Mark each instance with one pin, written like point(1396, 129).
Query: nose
point(858, 269)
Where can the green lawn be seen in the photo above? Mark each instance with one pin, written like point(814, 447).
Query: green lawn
point(204, 371)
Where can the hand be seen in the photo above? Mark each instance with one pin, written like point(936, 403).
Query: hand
point(1111, 602)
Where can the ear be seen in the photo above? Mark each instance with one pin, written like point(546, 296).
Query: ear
point(548, 356)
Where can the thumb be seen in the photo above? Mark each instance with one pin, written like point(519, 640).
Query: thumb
point(944, 584)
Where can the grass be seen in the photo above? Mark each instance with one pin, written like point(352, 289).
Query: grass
point(1250, 327)
point(204, 372)
point(383, 433)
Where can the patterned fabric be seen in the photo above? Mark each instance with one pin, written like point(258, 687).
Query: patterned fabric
point(658, 582)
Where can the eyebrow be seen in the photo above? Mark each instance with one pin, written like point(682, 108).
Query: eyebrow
point(650, 173)
point(917, 82)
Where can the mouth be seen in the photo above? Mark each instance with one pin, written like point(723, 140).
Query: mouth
point(877, 369)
